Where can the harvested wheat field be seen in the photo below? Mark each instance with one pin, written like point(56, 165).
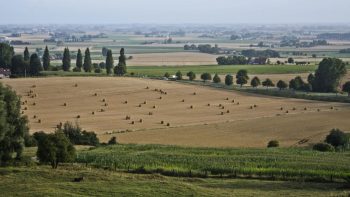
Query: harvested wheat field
point(163, 112)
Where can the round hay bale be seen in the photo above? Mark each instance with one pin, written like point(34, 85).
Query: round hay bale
point(145, 102)
point(147, 87)
point(168, 124)
point(160, 97)
point(93, 113)
point(133, 122)
point(281, 108)
point(294, 108)
point(228, 111)
point(287, 112)
point(65, 104)
point(25, 108)
point(22, 112)
point(305, 108)
point(208, 104)
point(183, 100)
point(222, 113)
point(39, 121)
point(33, 86)
point(222, 107)
point(332, 108)
point(103, 100)
point(162, 122)
point(78, 116)
point(318, 110)
point(34, 116)
point(227, 99)
point(251, 107)
point(150, 113)
point(154, 106)
point(95, 94)
point(102, 110)
point(127, 118)
point(238, 103)
point(125, 102)
point(140, 105)
point(34, 104)
point(233, 100)
point(76, 85)
point(194, 93)
point(255, 106)
point(191, 106)
point(140, 120)
point(106, 104)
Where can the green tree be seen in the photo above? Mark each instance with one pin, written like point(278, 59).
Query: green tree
point(112, 141)
point(328, 75)
point(206, 77)
point(46, 59)
point(167, 75)
point(77, 136)
point(282, 85)
point(55, 148)
point(87, 61)
point(79, 61)
point(242, 77)
point(216, 79)
point(191, 75)
point(6, 54)
point(26, 55)
point(109, 62)
point(66, 61)
point(337, 138)
point(310, 78)
point(35, 66)
point(255, 82)
point(13, 126)
point(346, 88)
point(290, 60)
point(228, 80)
point(179, 75)
point(104, 51)
point(120, 69)
point(268, 83)
point(18, 65)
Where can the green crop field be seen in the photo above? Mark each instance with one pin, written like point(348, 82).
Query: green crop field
point(284, 164)
point(252, 69)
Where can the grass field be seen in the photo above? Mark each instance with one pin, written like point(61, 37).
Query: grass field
point(43, 181)
point(191, 123)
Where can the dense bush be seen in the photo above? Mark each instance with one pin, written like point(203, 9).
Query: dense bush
point(206, 77)
point(112, 141)
point(77, 136)
point(267, 53)
point(273, 143)
point(191, 75)
point(337, 138)
point(232, 60)
point(323, 147)
point(216, 78)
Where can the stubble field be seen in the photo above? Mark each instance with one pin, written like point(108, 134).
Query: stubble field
point(197, 116)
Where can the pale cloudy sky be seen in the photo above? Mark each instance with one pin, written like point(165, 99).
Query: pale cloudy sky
point(174, 11)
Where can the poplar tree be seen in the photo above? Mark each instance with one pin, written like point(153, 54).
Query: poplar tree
point(66, 61)
point(87, 61)
point(109, 62)
point(46, 59)
point(79, 62)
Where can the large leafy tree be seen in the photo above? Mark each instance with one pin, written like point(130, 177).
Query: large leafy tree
point(66, 61)
point(346, 88)
point(206, 77)
point(26, 55)
point(216, 78)
point(6, 54)
point(228, 80)
point(255, 82)
point(109, 62)
point(79, 61)
point(328, 75)
point(55, 148)
point(120, 69)
point(35, 65)
point(282, 84)
point(191, 75)
point(242, 77)
point(268, 83)
point(13, 126)
point(87, 61)
point(46, 59)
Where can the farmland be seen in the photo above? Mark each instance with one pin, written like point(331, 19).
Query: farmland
point(191, 115)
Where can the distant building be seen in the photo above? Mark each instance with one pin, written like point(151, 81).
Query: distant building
point(4, 73)
point(4, 39)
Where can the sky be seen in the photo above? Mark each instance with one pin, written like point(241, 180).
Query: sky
point(173, 11)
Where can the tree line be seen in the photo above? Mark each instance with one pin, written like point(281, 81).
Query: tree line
point(32, 65)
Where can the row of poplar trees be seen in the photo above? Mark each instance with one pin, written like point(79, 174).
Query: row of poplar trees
point(86, 65)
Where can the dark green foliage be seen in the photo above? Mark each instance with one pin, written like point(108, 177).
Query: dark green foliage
point(79, 61)
point(346, 87)
point(35, 66)
point(267, 53)
point(87, 61)
point(66, 61)
point(54, 149)
point(26, 55)
point(268, 83)
point(337, 138)
point(273, 143)
point(242, 77)
point(323, 147)
point(290, 60)
point(216, 78)
point(29, 141)
point(328, 75)
point(77, 136)
point(120, 69)
point(207, 48)
point(344, 51)
point(109, 62)
point(112, 141)
point(228, 80)
point(310, 78)
point(179, 75)
point(13, 126)
point(255, 82)
point(19, 66)
point(46, 59)
point(282, 85)
point(206, 77)
point(6, 53)
point(102, 65)
point(191, 75)
point(167, 75)
point(98, 70)
point(232, 60)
